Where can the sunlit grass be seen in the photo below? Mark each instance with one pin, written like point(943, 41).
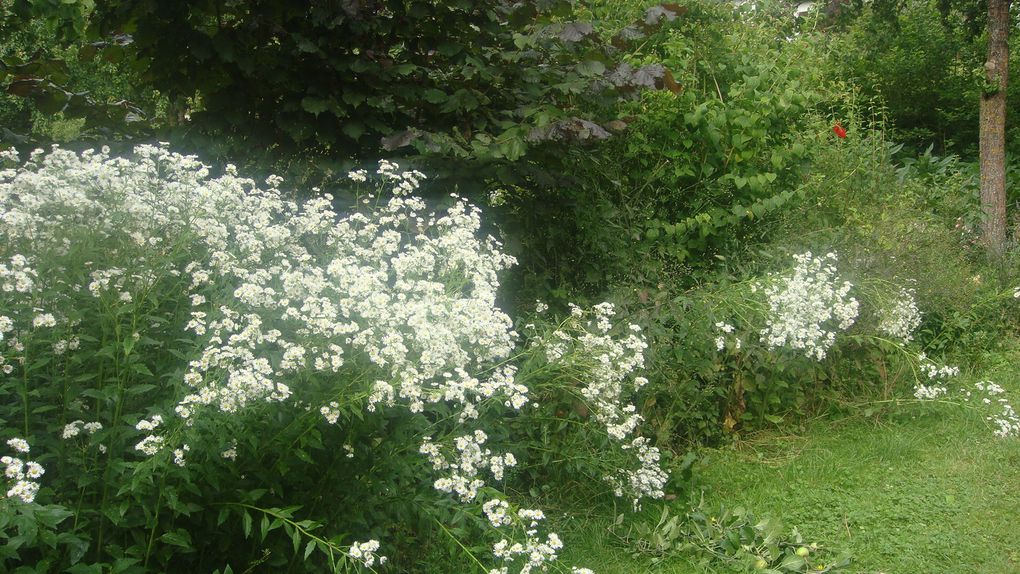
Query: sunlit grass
point(916, 488)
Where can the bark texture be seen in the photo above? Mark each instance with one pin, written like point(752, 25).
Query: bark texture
point(993, 129)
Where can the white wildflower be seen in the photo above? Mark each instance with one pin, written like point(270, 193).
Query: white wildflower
point(809, 306)
point(18, 444)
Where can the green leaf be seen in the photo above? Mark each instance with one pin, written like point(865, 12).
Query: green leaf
point(124, 565)
point(264, 526)
point(309, 548)
point(179, 537)
point(792, 563)
point(246, 523)
point(141, 369)
point(434, 96)
point(85, 569)
point(143, 388)
point(314, 105)
point(51, 100)
point(353, 129)
point(591, 68)
point(304, 44)
point(404, 69)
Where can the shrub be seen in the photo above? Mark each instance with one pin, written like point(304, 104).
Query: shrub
point(693, 175)
point(775, 346)
point(199, 361)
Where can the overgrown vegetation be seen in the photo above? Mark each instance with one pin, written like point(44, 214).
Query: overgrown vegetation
point(536, 268)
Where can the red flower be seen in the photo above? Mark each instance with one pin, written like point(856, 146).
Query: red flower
point(839, 131)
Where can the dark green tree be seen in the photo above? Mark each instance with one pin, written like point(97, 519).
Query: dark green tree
point(335, 79)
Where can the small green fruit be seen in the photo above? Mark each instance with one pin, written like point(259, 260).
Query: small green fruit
point(760, 564)
point(803, 551)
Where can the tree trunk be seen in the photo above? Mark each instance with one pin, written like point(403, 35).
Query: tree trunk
point(993, 129)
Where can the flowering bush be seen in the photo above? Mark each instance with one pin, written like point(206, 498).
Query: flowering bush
point(193, 351)
point(807, 313)
point(790, 340)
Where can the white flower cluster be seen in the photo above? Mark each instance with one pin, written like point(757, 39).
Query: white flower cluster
point(365, 553)
point(231, 452)
point(536, 553)
point(1006, 420)
point(381, 290)
point(605, 365)
point(411, 291)
point(809, 306)
point(19, 283)
point(17, 276)
point(74, 428)
point(649, 479)
point(462, 476)
point(148, 425)
point(63, 345)
point(935, 372)
point(720, 340)
point(497, 511)
point(152, 443)
point(23, 474)
point(280, 290)
point(331, 412)
point(902, 318)
point(937, 379)
point(179, 454)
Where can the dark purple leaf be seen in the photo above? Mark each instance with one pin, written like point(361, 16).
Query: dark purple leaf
point(575, 31)
point(648, 76)
point(667, 11)
point(399, 139)
point(573, 129)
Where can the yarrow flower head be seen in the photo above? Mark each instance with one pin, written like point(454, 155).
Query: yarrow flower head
point(19, 444)
point(720, 340)
point(44, 320)
point(901, 318)
point(937, 377)
point(809, 306)
point(365, 553)
point(22, 475)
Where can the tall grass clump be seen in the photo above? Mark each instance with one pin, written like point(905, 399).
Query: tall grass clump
point(209, 376)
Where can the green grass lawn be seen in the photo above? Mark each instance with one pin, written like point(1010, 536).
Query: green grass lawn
point(921, 488)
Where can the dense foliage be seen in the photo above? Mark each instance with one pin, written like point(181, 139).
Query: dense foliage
point(479, 80)
point(695, 173)
point(381, 370)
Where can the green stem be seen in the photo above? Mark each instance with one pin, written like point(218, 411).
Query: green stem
point(462, 547)
point(272, 512)
point(24, 389)
point(155, 522)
